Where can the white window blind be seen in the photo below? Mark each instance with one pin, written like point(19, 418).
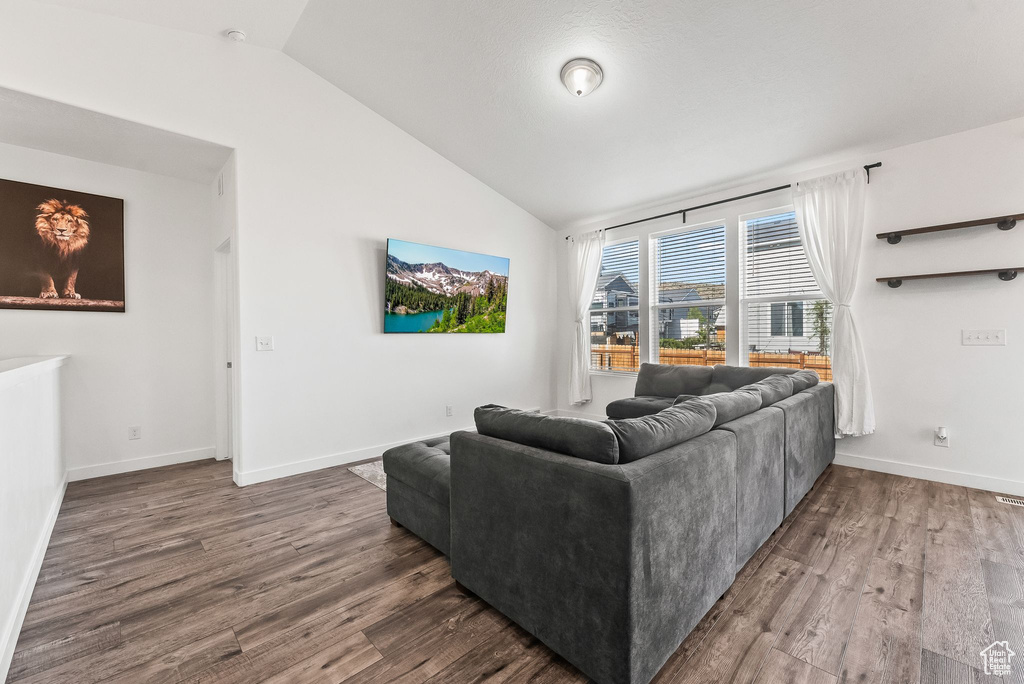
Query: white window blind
point(774, 258)
point(787, 321)
point(690, 268)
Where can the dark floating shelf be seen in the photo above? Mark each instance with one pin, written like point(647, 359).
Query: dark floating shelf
point(1001, 222)
point(1003, 273)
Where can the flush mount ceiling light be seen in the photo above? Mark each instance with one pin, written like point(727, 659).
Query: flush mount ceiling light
point(582, 76)
point(235, 35)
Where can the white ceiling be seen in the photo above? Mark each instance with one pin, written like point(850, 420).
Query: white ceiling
point(266, 22)
point(37, 123)
point(697, 94)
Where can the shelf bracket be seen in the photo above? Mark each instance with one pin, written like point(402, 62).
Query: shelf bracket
point(895, 282)
point(894, 238)
point(1006, 224)
point(1007, 275)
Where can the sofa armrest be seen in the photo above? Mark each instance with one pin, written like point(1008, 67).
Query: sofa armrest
point(609, 565)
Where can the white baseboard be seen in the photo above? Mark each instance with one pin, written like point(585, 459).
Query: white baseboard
point(9, 638)
point(953, 477)
point(130, 465)
point(248, 477)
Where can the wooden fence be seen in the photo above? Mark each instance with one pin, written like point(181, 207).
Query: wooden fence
point(622, 357)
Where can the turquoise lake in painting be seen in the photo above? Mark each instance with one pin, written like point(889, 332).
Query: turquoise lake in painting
point(410, 323)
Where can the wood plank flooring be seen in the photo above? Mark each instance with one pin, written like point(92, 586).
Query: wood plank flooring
point(176, 575)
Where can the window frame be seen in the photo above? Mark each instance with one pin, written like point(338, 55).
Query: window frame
point(639, 239)
point(744, 300)
point(733, 216)
point(655, 307)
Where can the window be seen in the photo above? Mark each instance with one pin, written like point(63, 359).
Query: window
point(689, 282)
point(615, 310)
point(787, 321)
point(664, 295)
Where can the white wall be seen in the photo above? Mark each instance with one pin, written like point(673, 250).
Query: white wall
point(922, 376)
point(151, 366)
point(321, 182)
point(32, 481)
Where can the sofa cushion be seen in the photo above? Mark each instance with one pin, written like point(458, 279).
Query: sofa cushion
point(423, 466)
point(637, 407)
point(732, 405)
point(729, 378)
point(804, 379)
point(639, 437)
point(588, 439)
point(659, 380)
point(774, 389)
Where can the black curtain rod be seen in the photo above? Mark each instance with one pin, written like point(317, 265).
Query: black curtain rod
point(867, 169)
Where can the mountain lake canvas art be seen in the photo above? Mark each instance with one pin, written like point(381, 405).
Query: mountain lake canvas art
point(438, 290)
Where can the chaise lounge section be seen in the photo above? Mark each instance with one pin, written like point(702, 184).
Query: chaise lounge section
point(419, 490)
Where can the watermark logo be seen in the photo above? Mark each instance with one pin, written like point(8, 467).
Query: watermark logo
point(997, 659)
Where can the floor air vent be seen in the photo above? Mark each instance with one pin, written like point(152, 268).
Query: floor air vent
point(1010, 500)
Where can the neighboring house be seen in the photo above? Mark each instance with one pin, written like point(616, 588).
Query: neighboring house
point(614, 290)
point(677, 324)
point(785, 326)
point(781, 327)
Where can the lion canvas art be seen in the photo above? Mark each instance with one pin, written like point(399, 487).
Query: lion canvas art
point(60, 249)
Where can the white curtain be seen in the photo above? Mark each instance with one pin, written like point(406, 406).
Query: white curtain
point(584, 267)
point(830, 214)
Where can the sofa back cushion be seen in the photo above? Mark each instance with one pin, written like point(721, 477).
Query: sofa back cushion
point(657, 380)
point(729, 378)
point(774, 389)
point(732, 405)
point(639, 437)
point(804, 379)
point(588, 439)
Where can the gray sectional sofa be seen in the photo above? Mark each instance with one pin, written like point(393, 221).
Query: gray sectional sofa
point(610, 540)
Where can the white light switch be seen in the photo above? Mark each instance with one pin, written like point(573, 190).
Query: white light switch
point(984, 338)
point(264, 344)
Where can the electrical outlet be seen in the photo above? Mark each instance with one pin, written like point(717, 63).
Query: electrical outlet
point(941, 437)
point(264, 344)
point(448, 410)
point(135, 432)
point(983, 338)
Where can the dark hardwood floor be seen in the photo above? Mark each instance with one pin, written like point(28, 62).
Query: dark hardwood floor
point(176, 575)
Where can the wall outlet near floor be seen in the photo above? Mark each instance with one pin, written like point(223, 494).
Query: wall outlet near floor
point(448, 412)
point(135, 432)
point(942, 437)
point(264, 344)
point(983, 338)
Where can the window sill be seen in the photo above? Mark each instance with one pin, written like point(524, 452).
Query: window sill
point(614, 374)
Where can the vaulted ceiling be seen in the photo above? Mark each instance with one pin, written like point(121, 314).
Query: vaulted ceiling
point(696, 94)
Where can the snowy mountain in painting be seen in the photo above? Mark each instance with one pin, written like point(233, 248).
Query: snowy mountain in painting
point(441, 279)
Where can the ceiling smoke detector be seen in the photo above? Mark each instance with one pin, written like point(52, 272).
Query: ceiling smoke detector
point(236, 35)
point(582, 76)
